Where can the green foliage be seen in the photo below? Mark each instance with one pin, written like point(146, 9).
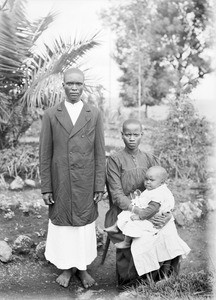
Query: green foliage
point(183, 142)
point(16, 120)
point(22, 160)
point(31, 77)
point(161, 41)
point(130, 22)
point(97, 98)
point(196, 285)
point(181, 36)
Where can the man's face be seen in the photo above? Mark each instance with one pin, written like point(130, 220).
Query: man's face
point(131, 136)
point(73, 86)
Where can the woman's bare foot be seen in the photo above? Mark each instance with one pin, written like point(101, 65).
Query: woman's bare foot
point(64, 278)
point(123, 245)
point(86, 279)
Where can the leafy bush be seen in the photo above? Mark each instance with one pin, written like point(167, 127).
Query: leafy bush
point(22, 160)
point(183, 142)
point(35, 128)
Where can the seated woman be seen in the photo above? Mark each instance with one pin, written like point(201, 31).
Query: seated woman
point(126, 170)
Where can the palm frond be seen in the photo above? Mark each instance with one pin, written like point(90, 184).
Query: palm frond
point(46, 76)
point(4, 109)
point(31, 75)
point(17, 39)
point(9, 42)
point(40, 25)
point(36, 71)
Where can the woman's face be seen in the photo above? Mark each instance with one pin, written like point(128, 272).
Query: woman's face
point(131, 136)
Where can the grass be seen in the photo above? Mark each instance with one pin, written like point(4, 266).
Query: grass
point(188, 286)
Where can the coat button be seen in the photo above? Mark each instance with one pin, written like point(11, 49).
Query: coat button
point(82, 135)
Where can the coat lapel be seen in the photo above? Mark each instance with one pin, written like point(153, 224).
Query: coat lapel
point(84, 117)
point(63, 117)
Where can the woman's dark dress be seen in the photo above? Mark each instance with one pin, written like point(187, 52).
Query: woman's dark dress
point(125, 174)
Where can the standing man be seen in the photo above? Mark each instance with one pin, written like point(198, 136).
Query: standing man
point(72, 167)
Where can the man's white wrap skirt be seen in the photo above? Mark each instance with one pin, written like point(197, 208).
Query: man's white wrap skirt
point(68, 247)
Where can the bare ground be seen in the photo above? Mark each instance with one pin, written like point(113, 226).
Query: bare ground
point(27, 278)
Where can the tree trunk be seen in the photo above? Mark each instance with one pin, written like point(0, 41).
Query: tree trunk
point(146, 111)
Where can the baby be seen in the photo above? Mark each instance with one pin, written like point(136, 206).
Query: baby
point(157, 198)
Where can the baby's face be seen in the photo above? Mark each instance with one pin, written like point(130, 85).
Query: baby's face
point(152, 180)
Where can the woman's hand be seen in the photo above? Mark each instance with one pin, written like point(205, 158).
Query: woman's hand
point(134, 217)
point(160, 220)
point(98, 196)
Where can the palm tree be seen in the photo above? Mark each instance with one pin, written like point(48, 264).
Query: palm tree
point(30, 76)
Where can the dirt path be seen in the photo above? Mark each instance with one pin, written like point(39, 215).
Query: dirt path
point(27, 278)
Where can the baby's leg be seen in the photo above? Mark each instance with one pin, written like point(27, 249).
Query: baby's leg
point(113, 228)
point(125, 244)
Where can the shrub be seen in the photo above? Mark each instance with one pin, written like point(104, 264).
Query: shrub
point(22, 160)
point(183, 142)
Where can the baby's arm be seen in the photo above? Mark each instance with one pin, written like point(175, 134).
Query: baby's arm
point(148, 212)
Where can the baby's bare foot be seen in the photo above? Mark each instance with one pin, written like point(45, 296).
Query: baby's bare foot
point(111, 229)
point(86, 279)
point(122, 245)
point(64, 278)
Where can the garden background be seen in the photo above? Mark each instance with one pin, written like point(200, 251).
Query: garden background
point(159, 58)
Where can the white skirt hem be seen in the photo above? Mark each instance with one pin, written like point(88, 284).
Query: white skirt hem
point(68, 246)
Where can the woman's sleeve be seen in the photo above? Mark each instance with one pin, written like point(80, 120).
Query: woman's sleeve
point(115, 184)
point(148, 212)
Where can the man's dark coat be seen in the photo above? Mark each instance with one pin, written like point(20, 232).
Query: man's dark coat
point(72, 163)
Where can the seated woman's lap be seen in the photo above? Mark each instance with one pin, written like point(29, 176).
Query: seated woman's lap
point(125, 268)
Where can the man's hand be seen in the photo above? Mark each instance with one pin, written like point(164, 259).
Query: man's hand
point(134, 217)
point(48, 198)
point(160, 220)
point(98, 196)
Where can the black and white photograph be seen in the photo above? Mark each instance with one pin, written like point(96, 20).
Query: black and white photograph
point(107, 149)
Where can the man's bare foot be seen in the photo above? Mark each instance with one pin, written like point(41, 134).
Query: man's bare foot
point(122, 245)
point(86, 279)
point(64, 278)
point(113, 229)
